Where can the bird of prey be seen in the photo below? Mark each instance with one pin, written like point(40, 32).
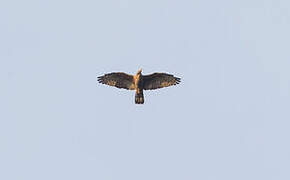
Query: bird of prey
point(139, 82)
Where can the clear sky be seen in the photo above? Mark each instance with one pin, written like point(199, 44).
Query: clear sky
point(227, 120)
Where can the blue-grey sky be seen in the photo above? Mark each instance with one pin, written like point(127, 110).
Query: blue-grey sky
point(228, 119)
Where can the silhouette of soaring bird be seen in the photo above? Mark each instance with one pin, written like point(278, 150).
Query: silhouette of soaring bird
point(139, 82)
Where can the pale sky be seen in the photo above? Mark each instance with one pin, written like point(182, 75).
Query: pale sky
point(229, 118)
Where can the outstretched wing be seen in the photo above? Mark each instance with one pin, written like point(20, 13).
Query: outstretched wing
point(159, 80)
point(118, 79)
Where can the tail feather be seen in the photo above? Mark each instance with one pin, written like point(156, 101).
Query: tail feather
point(139, 98)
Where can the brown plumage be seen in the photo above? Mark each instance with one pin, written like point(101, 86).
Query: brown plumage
point(139, 82)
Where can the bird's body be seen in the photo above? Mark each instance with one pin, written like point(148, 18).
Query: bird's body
point(139, 82)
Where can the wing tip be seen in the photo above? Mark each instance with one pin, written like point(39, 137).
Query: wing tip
point(177, 80)
point(100, 79)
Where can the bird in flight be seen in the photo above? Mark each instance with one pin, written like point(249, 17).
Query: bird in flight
point(139, 82)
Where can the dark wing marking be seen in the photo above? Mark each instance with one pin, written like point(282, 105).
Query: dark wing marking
point(159, 80)
point(118, 79)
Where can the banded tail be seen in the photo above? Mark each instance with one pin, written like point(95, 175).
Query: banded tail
point(139, 97)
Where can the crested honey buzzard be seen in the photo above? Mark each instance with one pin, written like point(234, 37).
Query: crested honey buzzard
point(139, 82)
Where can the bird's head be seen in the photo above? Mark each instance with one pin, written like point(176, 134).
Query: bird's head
point(139, 71)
